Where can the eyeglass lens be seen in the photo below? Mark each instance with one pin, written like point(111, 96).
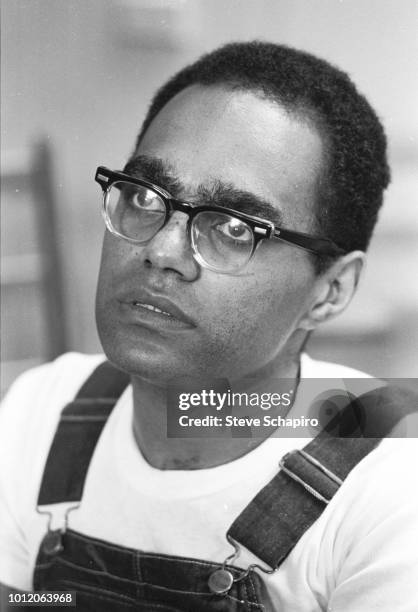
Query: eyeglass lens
point(224, 242)
point(220, 240)
point(135, 212)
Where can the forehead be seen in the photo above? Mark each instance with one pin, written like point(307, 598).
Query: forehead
point(208, 134)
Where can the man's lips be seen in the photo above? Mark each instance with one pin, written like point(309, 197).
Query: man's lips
point(151, 307)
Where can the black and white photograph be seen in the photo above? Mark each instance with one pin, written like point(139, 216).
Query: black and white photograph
point(209, 305)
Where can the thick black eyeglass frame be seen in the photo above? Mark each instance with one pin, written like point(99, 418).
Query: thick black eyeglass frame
point(261, 228)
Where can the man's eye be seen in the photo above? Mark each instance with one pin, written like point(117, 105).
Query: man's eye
point(142, 199)
point(236, 230)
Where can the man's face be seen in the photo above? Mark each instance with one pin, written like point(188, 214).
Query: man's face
point(210, 140)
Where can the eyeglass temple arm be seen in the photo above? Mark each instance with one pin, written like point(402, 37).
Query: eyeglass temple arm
point(320, 246)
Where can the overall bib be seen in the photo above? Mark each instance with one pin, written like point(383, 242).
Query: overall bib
point(112, 578)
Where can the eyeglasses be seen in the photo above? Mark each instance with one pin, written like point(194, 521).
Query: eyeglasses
point(222, 239)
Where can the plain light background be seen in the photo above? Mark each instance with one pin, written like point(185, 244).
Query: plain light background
point(80, 73)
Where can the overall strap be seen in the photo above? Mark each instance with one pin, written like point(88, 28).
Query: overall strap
point(78, 431)
point(274, 521)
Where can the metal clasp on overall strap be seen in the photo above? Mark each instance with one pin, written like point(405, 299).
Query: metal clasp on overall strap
point(52, 542)
point(221, 580)
point(315, 463)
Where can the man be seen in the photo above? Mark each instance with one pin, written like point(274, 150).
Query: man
point(238, 225)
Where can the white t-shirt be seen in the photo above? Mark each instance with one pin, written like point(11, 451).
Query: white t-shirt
point(361, 555)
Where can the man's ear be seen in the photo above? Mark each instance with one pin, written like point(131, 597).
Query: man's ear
point(334, 290)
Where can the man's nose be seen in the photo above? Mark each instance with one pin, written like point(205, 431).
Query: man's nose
point(170, 249)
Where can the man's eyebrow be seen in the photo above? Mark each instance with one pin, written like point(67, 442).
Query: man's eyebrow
point(155, 170)
point(228, 196)
point(218, 193)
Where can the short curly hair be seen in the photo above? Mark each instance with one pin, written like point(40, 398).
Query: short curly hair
point(350, 189)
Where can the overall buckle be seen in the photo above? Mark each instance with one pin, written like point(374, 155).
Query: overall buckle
point(315, 463)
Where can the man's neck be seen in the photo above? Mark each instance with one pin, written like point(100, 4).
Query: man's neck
point(150, 429)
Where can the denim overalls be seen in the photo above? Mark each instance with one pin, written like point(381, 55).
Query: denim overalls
point(111, 578)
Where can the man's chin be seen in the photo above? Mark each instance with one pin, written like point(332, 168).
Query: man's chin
point(155, 369)
point(162, 368)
